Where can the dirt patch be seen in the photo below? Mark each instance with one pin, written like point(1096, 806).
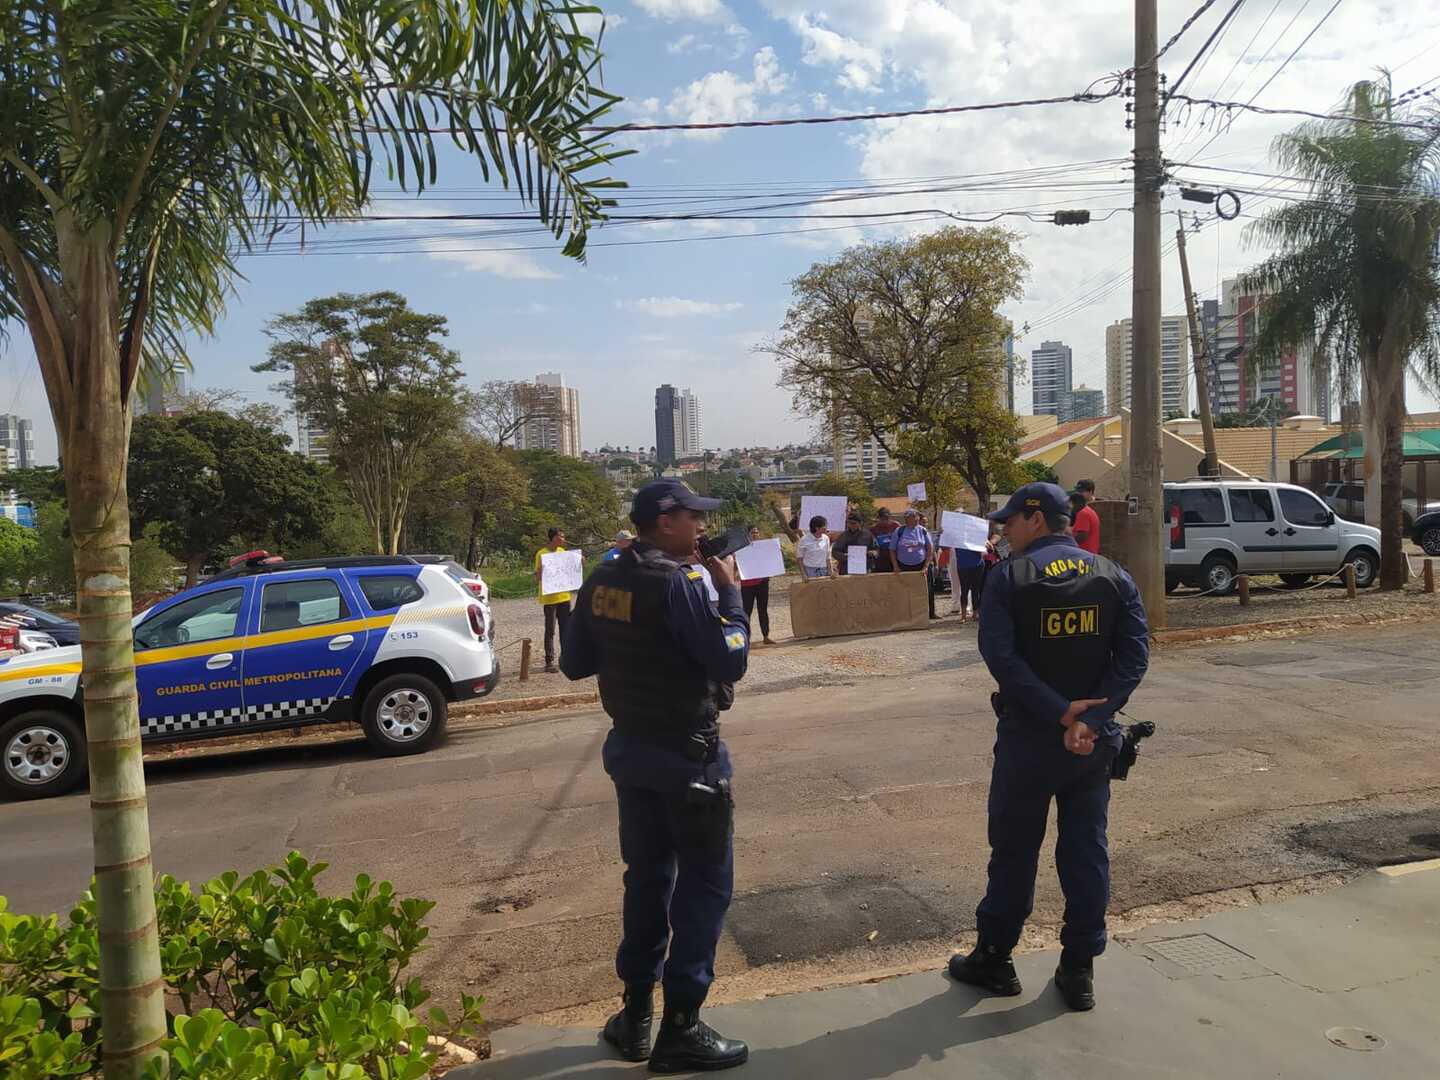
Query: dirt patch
point(502, 905)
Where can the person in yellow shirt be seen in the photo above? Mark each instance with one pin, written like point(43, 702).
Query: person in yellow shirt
point(556, 605)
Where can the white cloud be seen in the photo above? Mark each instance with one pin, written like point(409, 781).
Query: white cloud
point(506, 264)
point(723, 96)
point(675, 307)
point(686, 43)
point(860, 65)
point(590, 23)
point(673, 10)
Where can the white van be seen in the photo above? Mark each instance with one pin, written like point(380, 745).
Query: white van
point(1222, 528)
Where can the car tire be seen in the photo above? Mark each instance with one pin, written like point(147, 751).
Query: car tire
point(1218, 575)
point(1429, 540)
point(403, 714)
point(43, 754)
point(1367, 567)
point(1296, 581)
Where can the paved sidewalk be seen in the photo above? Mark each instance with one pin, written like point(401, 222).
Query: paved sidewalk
point(1341, 984)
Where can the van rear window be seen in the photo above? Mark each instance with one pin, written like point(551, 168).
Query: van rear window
point(1200, 506)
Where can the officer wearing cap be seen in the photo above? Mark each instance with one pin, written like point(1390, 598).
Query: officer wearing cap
point(1063, 632)
point(667, 657)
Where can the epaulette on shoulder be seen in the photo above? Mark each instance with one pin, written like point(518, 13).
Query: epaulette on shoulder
point(694, 575)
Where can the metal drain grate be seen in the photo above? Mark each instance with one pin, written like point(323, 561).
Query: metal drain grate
point(1203, 954)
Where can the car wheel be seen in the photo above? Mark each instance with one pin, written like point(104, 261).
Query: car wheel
point(1429, 540)
point(1296, 581)
point(43, 754)
point(404, 714)
point(1217, 575)
point(1367, 567)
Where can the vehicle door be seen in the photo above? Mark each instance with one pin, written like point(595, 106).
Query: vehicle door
point(1204, 526)
point(304, 641)
point(1256, 530)
point(189, 662)
point(1312, 539)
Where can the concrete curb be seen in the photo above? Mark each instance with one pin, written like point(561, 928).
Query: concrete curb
point(1318, 623)
point(527, 704)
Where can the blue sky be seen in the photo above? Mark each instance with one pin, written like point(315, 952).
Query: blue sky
point(691, 312)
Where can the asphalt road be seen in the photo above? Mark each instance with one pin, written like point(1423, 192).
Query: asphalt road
point(861, 808)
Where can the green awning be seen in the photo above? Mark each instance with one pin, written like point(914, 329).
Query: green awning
point(1352, 445)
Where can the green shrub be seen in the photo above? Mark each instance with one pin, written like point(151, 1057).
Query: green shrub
point(272, 980)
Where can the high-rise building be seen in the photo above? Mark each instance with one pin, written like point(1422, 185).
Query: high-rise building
point(1234, 386)
point(312, 438)
point(162, 395)
point(1082, 403)
point(556, 425)
point(688, 441)
point(1174, 365)
point(1050, 376)
point(18, 435)
point(864, 457)
point(667, 425)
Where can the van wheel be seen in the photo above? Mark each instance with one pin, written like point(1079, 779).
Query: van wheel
point(1217, 575)
point(1367, 567)
point(403, 714)
point(1430, 540)
point(1296, 581)
point(44, 754)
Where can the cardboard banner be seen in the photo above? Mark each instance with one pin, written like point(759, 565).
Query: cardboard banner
point(915, 492)
point(858, 604)
point(561, 571)
point(762, 559)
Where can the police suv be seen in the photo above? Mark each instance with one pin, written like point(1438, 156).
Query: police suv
point(387, 641)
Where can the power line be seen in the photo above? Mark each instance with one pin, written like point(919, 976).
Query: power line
point(1248, 106)
point(1214, 34)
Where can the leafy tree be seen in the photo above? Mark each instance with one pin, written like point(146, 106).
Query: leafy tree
point(567, 492)
point(142, 145)
point(808, 467)
point(1035, 472)
point(19, 548)
point(741, 500)
point(901, 340)
point(1358, 273)
point(943, 488)
point(853, 488)
point(888, 485)
point(374, 375)
point(471, 494)
point(208, 481)
point(41, 484)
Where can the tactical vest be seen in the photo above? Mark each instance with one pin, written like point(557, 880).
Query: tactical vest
point(649, 685)
point(1065, 608)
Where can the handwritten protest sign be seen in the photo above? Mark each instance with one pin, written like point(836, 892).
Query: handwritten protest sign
point(915, 492)
point(561, 571)
point(961, 530)
point(762, 559)
point(830, 507)
point(855, 559)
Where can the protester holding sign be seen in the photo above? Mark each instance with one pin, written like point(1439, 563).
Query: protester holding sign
point(854, 536)
point(913, 551)
point(556, 605)
point(813, 550)
point(883, 531)
point(755, 593)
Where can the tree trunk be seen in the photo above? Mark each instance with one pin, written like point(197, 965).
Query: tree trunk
point(93, 424)
point(193, 565)
point(1389, 419)
point(1372, 427)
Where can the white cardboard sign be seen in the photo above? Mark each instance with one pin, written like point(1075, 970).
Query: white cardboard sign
point(762, 559)
point(855, 559)
point(561, 571)
point(962, 530)
point(915, 492)
point(830, 507)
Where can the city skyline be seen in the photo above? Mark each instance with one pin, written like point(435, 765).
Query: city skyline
point(1051, 375)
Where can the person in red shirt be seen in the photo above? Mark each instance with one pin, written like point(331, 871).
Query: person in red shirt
point(1086, 523)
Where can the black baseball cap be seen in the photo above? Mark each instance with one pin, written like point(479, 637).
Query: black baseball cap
point(1047, 498)
point(663, 496)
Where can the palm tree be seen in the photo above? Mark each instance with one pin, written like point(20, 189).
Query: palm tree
point(143, 145)
point(1357, 273)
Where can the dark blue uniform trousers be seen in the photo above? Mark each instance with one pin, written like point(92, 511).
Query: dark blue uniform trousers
point(1031, 768)
point(675, 892)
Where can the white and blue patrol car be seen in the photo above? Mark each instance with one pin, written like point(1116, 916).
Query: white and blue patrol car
point(388, 641)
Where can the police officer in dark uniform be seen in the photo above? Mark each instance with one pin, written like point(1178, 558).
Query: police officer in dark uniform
point(1063, 632)
point(667, 657)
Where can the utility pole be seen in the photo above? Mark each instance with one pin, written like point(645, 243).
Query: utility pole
point(1147, 558)
point(1202, 358)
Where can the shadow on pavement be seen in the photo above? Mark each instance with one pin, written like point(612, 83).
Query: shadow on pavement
point(926, 1031)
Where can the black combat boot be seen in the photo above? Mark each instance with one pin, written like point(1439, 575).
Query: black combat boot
point(988, 968)
point(1075, 979)
point(629, 1029)
point(686, 1044)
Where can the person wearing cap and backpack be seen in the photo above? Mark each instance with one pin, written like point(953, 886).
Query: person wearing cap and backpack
point(1063, 632)
point(667, 657)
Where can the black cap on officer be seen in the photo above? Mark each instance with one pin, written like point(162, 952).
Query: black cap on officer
point(663, 496)
point(1046, 498)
